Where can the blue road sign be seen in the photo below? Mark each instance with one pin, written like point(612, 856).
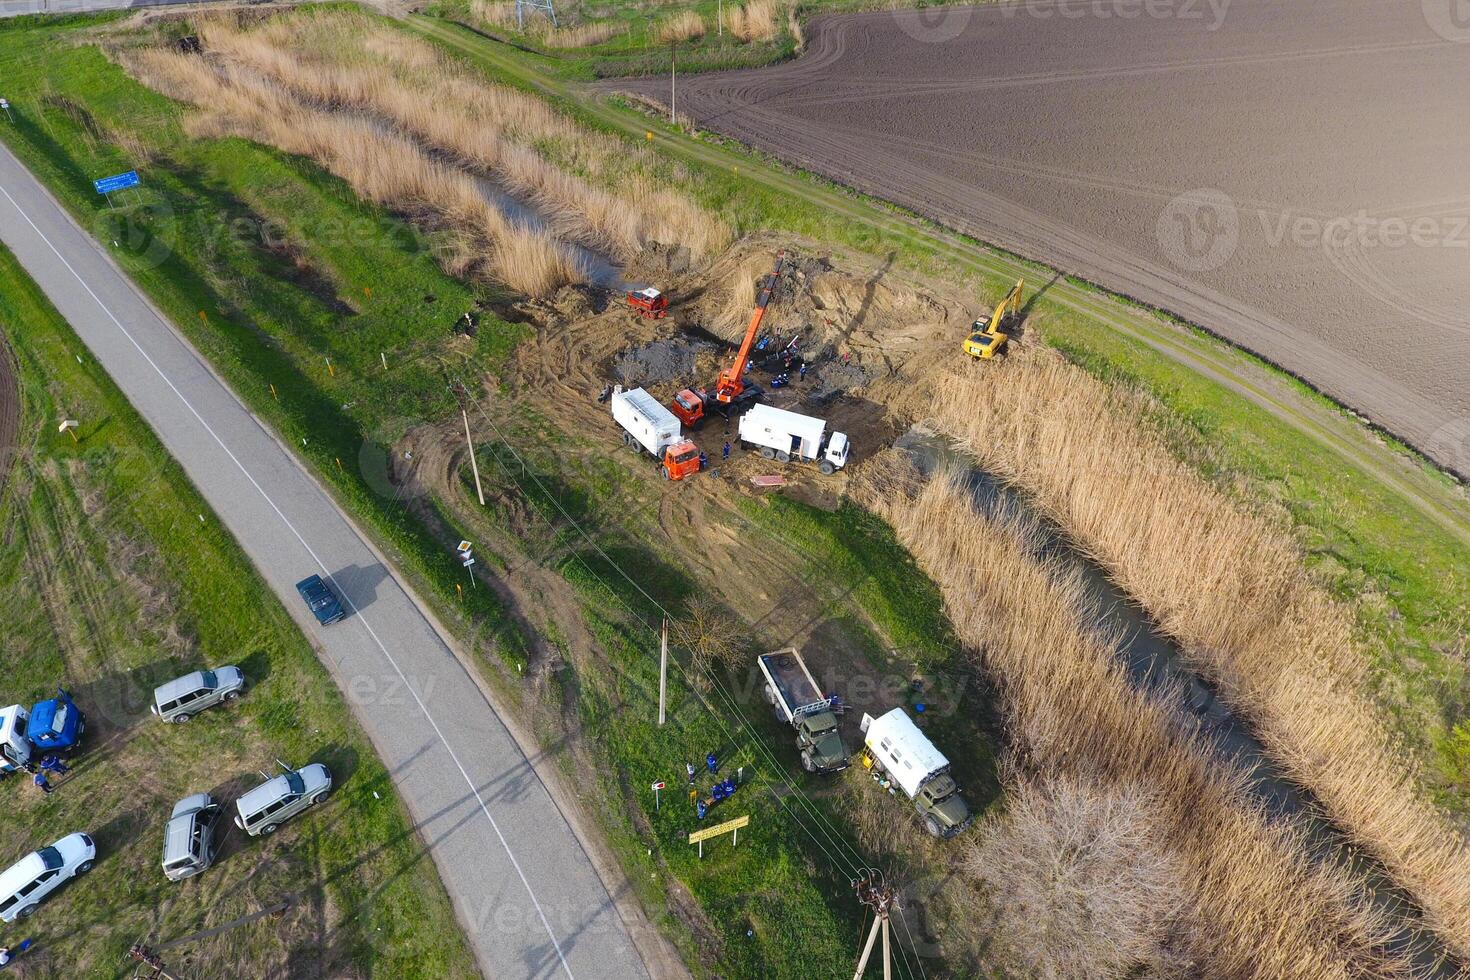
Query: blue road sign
point(109, 184)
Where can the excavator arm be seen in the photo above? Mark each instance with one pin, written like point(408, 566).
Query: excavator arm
point(987, 338)
point(732, 380)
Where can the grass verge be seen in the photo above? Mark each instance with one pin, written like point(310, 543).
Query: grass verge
point(116, 578)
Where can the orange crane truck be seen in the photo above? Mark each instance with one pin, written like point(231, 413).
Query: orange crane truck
point(731, 390)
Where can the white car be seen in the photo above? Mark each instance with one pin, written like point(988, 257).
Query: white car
point(26, 882)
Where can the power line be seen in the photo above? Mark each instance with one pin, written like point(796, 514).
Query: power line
point(851, 860)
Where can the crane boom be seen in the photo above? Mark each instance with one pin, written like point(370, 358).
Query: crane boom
point(732, 380)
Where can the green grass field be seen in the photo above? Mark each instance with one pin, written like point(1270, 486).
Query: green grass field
point(116, 577)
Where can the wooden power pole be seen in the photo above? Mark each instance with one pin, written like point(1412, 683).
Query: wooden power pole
point(663, 669)
point(459, 394)
point(882, 898)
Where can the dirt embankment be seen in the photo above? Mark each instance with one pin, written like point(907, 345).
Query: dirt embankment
point(1232, 170)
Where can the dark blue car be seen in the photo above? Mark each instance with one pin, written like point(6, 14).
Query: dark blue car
point(322, 602)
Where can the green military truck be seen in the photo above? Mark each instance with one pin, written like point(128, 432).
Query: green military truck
point(903, 756)
point(798, 701)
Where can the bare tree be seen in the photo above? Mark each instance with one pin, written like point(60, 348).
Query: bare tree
point(712, 636)
point(1082, 884)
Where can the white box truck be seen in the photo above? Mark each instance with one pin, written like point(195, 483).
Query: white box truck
point(793, 691)
point(649, 425)
point(898, 752)
point(787, 435)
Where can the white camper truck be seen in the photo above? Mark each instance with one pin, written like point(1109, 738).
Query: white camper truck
point(785, 436)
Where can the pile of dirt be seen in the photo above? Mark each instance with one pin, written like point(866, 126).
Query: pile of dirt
point(671, 360)
point(656, 262)
point(837, 377)
point(841, 308)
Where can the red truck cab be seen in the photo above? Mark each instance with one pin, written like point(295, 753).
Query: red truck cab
point(681, 460)
point(688, 407)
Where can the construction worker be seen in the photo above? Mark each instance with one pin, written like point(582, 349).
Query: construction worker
point(711, 763)
point(703, 460)
point(42, 783)
point(690, 767)
point(803, 371)
point(726, 450)
point(53, 764)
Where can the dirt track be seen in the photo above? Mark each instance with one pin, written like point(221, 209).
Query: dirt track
point(1068, 136)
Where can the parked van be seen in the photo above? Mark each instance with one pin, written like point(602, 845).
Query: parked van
point(275, 801)
point(26, 882)
point(189, 843)
point(184, 697)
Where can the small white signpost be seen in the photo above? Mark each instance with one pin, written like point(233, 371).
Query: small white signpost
point(466, 558)
point(656, 787)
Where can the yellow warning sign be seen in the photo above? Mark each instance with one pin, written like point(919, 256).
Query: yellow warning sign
point(719, 828)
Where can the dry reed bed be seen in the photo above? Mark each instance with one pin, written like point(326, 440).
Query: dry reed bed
point(753, 21)
point(1230, 589)
point(342, 60)
point(379, 166)
point(582, 35)
point(494, 13)
point(683, 26)
point(1259, 906)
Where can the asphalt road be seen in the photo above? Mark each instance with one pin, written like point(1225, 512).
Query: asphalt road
point(526, 893)
point(1283, 173)
point(20, 8)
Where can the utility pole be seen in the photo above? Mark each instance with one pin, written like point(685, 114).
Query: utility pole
point(459, 393)
point(882, 898)
point(663, 669)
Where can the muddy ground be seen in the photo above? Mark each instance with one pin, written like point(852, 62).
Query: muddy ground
point(864, 332)
point(1067, 131)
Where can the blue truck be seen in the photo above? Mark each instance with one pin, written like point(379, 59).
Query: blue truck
point(50, 727)
point(321, 600)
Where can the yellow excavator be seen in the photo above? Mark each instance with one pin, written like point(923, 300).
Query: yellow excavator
point(985, 338)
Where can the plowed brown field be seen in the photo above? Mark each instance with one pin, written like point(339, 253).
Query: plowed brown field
point(1289, 175)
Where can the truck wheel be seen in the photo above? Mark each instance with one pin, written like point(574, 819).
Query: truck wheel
point(27, 912)
point(269, 828)
point(782, 456)
point(318, 798)
point(180, 719)
point(807, 763)
point(932, 825)
point(768, 452)
point(232, 696)
point(84, 867)
point(826, 467)
point(628, 439)
point(665, 471)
